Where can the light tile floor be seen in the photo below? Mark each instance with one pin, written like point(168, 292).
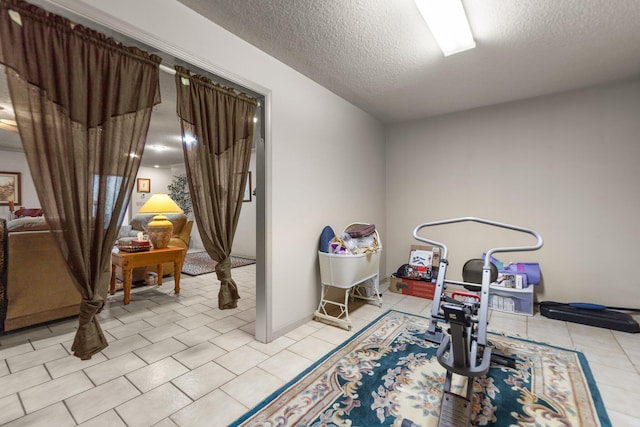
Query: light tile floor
point(180, 361)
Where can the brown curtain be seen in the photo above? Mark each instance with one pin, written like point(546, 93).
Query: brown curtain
point(217, 134)
point(83, 104)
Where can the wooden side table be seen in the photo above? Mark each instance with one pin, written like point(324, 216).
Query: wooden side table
point(128, 260)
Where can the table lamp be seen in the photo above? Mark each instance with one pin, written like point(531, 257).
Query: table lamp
point(160, 228)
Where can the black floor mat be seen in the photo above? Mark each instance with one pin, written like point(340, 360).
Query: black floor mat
point(608, 319)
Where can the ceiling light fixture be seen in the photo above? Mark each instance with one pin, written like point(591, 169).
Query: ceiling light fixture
point(9, 122)
point(448, 24)
point(189, 139)
point(9, 128)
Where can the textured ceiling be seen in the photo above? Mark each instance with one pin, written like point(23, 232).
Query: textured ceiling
point(380, 55)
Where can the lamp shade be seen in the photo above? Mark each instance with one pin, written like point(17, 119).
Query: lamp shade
point(160, 229)
point(160, 203)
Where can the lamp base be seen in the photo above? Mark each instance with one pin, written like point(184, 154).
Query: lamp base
point(160, 230)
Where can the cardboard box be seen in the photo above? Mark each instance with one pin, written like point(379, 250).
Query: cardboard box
point(424, 261)
point(420, 257)
point(417, 288)
point(507, 279)
point(436, 257)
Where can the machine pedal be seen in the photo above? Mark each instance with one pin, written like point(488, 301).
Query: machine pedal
point(434, 337)
point(455, 411)
point(503, 359)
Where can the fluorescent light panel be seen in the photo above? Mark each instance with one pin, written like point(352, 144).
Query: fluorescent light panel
point(448, 24)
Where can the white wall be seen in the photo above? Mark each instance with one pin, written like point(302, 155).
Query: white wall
point(244, 242)
point(11, 161)
point(325, 157)
point(565, 165)
point(160, 180)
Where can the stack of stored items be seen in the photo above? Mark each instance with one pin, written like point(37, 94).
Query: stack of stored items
point(516, 275)
point(417, 278)
point(512, 292)
point(356, 239)
point(350, 262)
point(135, 246)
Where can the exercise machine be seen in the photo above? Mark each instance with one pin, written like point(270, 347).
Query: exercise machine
point(463, 349)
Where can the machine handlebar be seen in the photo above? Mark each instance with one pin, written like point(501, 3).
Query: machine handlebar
point(491, 251)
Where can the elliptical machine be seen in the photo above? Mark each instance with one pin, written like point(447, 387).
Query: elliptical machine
point(464, 350)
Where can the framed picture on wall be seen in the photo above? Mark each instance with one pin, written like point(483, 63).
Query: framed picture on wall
point(144, 185)
point(247, 189)
point(10, 188)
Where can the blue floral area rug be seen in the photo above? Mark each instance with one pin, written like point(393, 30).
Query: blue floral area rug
point(387, 373)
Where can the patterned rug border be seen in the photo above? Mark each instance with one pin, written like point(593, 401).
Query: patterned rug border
point(304, 373)
point(584, 365)
point(244, 261)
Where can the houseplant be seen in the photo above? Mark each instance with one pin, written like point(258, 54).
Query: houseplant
point(179, 193)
